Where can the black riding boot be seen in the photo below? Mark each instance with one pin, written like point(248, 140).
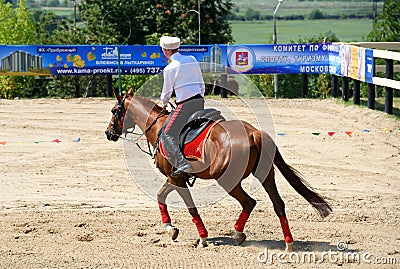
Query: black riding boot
point(175, 156)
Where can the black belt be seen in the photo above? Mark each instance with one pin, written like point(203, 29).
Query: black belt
point(197, 96)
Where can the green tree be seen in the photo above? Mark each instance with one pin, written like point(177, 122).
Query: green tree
point(386, 29)
point(316, 14)
point(131, 21)
point(17, 27)
point(45, 25)
point(387, 24)
point(252, 14)
point(17, 24)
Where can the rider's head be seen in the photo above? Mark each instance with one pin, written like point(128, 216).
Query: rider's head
point(169, 45)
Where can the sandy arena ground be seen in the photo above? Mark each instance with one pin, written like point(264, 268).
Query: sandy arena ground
point(75, 205)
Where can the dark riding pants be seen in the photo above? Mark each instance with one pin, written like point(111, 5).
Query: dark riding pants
point(173, 126)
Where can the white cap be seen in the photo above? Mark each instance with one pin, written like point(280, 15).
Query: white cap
point(170, 42)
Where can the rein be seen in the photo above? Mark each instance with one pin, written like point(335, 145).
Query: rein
point(119, 113)
point(149, 152)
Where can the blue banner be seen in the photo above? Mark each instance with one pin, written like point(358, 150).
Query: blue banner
point(102, 60)
point(278, 59)
point(64, 60)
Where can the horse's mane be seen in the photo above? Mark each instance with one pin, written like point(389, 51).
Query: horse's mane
point(150, 104)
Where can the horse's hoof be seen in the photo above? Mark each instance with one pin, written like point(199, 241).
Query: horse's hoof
point(289, 247)
point(240, 237)
point(201, 243)
point(174, 233)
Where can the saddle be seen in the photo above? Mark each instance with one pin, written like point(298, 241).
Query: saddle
point(195, 132)
point(197, 123)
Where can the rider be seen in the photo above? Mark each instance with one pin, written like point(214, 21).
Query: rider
point(182, 75)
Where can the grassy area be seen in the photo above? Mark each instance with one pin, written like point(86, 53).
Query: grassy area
point(337, 8)
point(380, 105)
point(61, 11)
point(260, 32)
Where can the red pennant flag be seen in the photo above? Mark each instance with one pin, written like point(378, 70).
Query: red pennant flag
point(56, 140)
point(331, 133)
point(349, 133)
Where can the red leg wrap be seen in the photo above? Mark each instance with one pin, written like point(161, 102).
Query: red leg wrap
point(200, 226)
point(164, 213)
point(285, 229)
point(239, 225)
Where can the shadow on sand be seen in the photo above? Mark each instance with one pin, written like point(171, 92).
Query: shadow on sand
point(298, 246)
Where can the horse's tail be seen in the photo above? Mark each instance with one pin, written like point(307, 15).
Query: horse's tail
point(268, 154)
point(301, 185)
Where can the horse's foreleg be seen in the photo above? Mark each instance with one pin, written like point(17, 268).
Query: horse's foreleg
point(248, 205)
point(165, 218)
point(187, 198)
point(279, 208)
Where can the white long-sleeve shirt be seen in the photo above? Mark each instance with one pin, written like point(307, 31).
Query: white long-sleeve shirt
point(182, 74)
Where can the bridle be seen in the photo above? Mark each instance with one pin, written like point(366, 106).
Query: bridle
point(118, 113)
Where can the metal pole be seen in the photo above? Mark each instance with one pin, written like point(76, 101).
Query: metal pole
point(389, 91)
point(119, 71)
point(118, 48)
point(74, 21)
point(345, 89)
point(356, 95)
point(275, 40)
point(199, 20)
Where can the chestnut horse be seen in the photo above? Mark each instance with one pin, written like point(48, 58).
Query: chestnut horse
point(233, 150)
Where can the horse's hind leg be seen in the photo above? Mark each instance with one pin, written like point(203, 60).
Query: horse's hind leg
point(279, 207)
point(248, 205)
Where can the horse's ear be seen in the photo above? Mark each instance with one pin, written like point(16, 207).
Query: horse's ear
point(116, 94)
point(131, 92)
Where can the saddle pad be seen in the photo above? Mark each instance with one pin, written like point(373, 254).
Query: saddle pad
point(195, 148)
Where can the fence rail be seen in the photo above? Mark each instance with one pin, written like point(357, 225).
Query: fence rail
point(381, 50)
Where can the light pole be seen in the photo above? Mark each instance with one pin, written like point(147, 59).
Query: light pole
point(74, 20)
point(274, 39)
point(198, 18)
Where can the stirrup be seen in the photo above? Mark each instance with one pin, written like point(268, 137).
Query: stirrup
point(191, 180)
point(180, 173)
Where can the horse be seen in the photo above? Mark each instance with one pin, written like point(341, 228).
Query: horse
point(233, 150)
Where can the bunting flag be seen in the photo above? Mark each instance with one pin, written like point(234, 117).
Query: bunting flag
point(330, 134)
point(350, 134)
point(56, 140)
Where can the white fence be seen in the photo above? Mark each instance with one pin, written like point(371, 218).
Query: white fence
point(389, 52)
